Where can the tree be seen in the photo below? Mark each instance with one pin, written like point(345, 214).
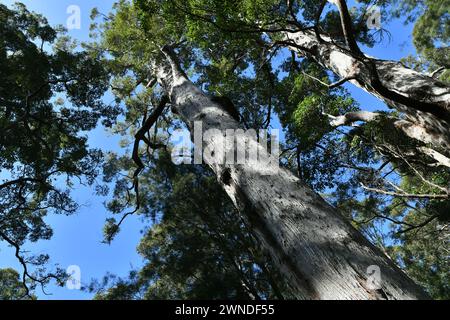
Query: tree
point(288, 218)
point(430, 35)
point(390, 169)
point(40, 141)
point(330, 42)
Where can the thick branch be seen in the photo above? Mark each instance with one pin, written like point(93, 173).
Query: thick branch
point(290, 4)
point(347, 27)
point(406, 195)
point(351, 117)
point(420, 225)
point(439, 157)
point(317, 20)
point(436, 72)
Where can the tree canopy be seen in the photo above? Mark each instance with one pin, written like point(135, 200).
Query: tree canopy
point(50, 94)
point(387, 171)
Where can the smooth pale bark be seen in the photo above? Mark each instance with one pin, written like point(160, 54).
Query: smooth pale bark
point(351, 117)
point(320, 254)
point(441, 160)
point(424, 100)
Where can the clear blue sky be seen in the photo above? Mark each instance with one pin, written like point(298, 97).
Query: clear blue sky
point(77, 239)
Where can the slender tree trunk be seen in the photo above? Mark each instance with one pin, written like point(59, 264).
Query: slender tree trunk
point(319, 253)
point(424, 100)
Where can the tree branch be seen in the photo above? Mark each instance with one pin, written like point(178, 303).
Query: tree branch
point(406, 195)
point(414, 131)
point(351, 117)
point(347, 27)
point(439, 157)
point(21, 181)
point(140, 135)
point(436, 72)
point(332, 85)
point(290, 4)
point(420, 225)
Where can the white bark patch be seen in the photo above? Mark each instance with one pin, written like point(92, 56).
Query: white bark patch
point(439, 157)
point(342, 64)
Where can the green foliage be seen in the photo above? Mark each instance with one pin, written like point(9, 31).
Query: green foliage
point(423, 256)
point(431, 33)
point(11, 288)
point(41, 141)
point(313, 104)
point(195, 244)
point(197, 247)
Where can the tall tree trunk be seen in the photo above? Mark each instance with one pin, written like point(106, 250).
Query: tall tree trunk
point(424, 100)
point(319, 253)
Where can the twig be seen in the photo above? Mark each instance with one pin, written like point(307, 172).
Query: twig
point(406, 195)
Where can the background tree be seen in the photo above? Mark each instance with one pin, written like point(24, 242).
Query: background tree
point(49, 94)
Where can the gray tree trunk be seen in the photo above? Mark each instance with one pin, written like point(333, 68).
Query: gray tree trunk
point(424, 100)
point(319, 253)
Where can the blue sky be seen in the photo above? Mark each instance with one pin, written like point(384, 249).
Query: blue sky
point(77, 239)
